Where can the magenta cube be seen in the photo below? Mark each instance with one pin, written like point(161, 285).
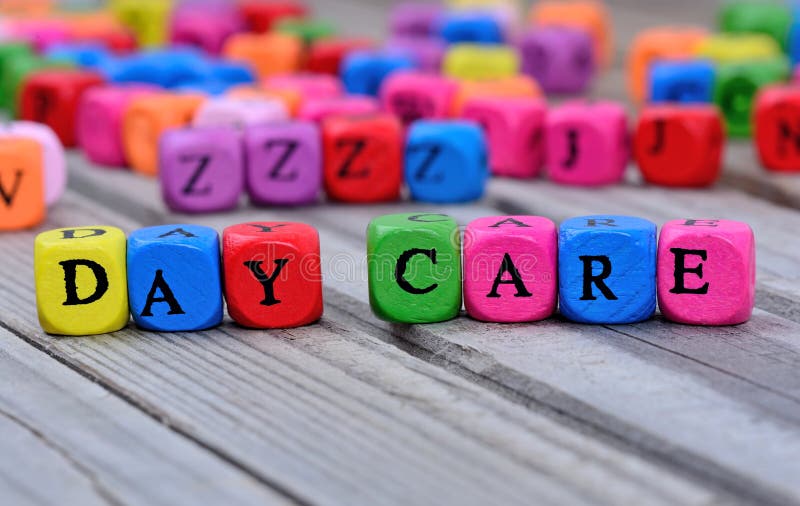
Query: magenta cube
point(587, 143)
point(515, 132)
point(308, 85)
point(561, 59)
point(510, 269)
point(415, 19)
point(412, 96)
point(201, 169)
point(284, 163)
point(428, 53)
point(350, 105)
point(239, 112)
point(706, 272)
point(99, 122)
point(206, 28)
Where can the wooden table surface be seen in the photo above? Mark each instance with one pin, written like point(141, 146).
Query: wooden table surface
point(357, 411)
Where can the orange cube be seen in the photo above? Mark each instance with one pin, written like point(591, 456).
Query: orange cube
point(269, 54)
point(588, 15)
point(21, 184)
point(665, 43)
point(146, 118)
point(511, 87)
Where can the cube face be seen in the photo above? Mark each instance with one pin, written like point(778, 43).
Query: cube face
point(679, 146)
point(320, 109)
point(201, 169)
point(362, 158)
point(239, 112)
point(268, 54)
point(22, 184)
point(607, 269)
point(99, 122)
point(560, 59)
point(706, 272)
point(146, 118)
point(414, 265)
point(446, 161)
point(688, 82)
point(52, 97)
point(470, 27)
point(414, 19)
point(590, 16)
point(81, 282)
point(469, 61)
point(415, 96)
point(771, 19)
point(55, 165)
point(656, 45)
point(363, 72)
point(587, 144)
point(284, 163)
point(514, 129)
point(777, 110)
point(174, 278)
point(511, 269)
point(272, 274)
point(736, 89)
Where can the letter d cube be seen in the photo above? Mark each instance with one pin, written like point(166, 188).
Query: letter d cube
point(414, 265)
point(706, 272)
point(81, 283)
point(607, 267)
point(273, 275)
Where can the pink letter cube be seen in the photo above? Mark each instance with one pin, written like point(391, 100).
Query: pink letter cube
point(320, 108)
point(510, 269)
point(706, 272)
point(239, 112)
point(201, 169)
point(515, 131)
point(587, 143)
point(99, 122)
point(308, 85)
point(413, 95)
point(284, 163)
point(55, 165)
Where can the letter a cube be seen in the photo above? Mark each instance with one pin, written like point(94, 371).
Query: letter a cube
point(607, 267)
point(81, 282)
point(22, 184)
point(706, 272)
point(273, 275)
point(174, 278)
point(510, 269)
point(414, 265)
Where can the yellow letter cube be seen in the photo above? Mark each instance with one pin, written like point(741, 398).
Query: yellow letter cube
point(472, 61)
point(147, 19)
point(732, 48)
point(81, 280)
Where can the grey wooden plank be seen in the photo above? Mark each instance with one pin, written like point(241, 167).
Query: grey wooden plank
point(335, 415)
point(66, 440)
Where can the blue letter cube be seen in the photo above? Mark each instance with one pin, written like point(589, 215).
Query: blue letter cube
point(363, 72)
point(682, 81)
point(446, 161)
point(470, 27)
point(607, 269)
point(174, 281)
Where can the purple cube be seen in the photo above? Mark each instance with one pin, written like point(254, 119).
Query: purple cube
point(284, 163)
point(414, 19)
point(428, 52)
point(201, 169)
point(561, 59)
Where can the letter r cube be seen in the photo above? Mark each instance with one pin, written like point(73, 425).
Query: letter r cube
point(414, 265)
point(706, 272)
point(273, 275)
point(607, 267)
point(81, 283)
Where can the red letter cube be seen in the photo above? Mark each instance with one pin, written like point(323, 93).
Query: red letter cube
point(272, 274)
point(777, 128)
point(363, 158)
point(52, 97)
point(679, 145)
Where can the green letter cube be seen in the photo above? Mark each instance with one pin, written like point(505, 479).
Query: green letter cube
point(414, 267)
point(768, 18)
point(736, 88)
